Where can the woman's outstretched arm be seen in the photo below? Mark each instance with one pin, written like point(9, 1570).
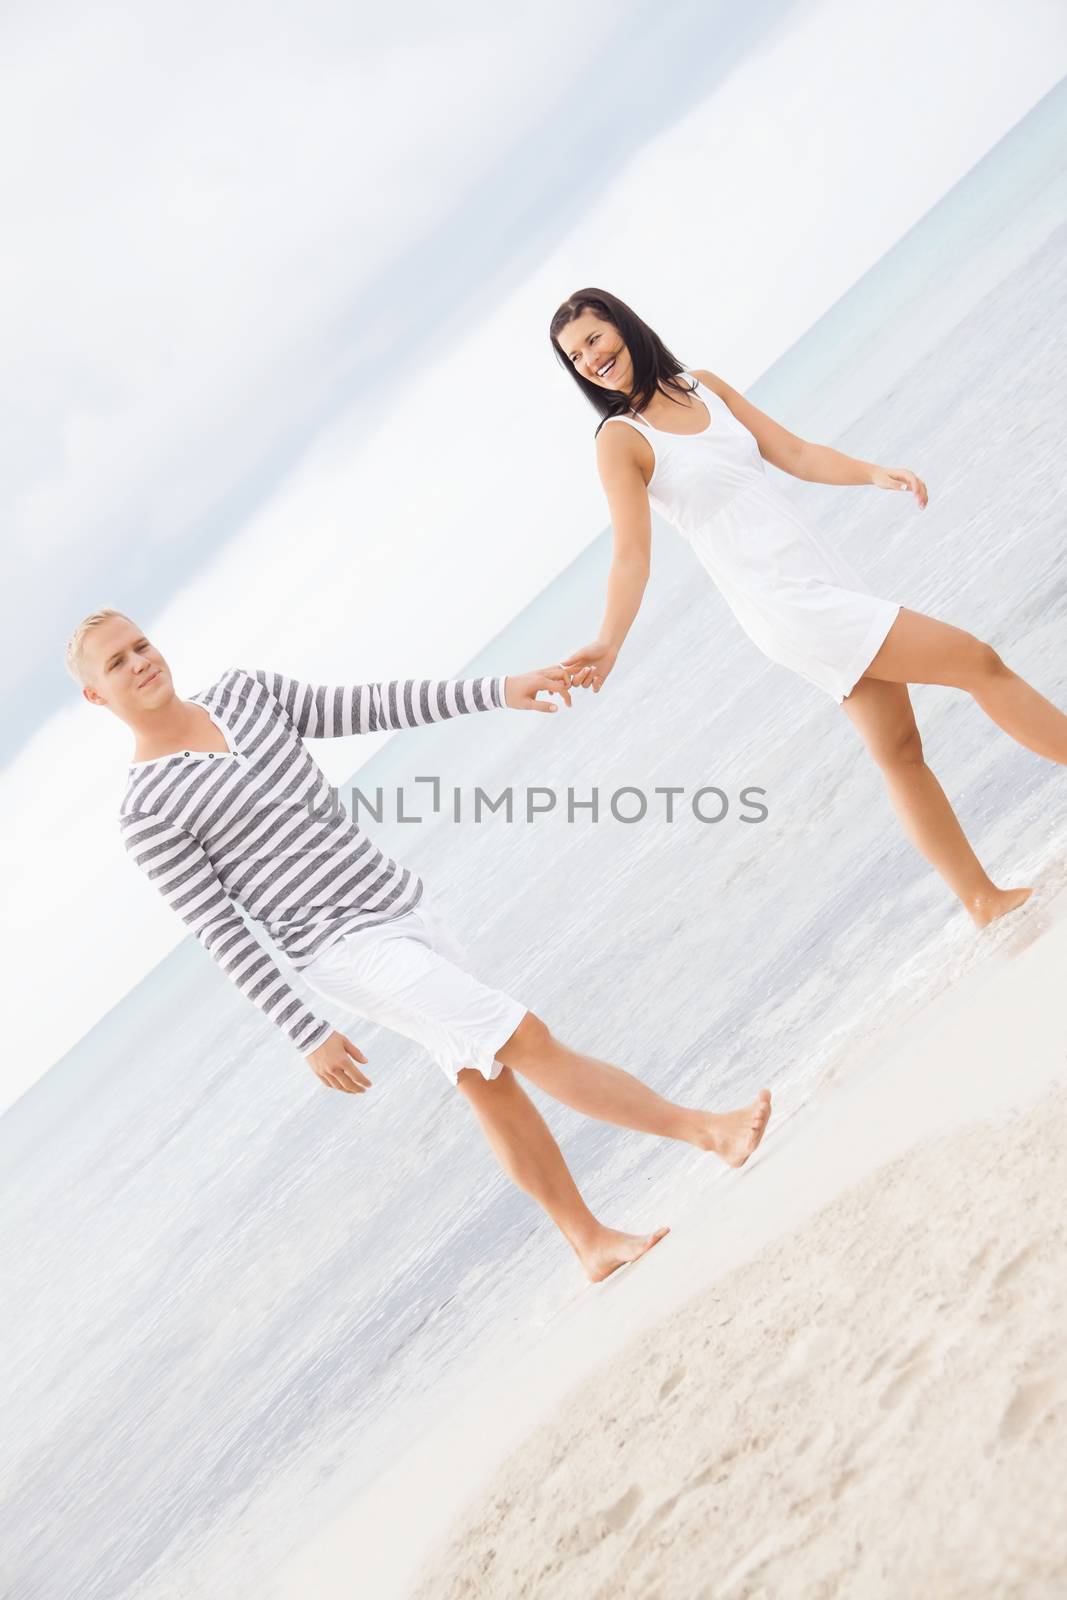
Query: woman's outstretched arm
point(625, 463)
point(814, 463)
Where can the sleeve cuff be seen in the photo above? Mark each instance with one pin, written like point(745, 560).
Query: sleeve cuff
point(320, 1038)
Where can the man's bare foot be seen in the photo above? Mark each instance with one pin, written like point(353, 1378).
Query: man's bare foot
point(734, 1135)
point(611, 1250)
point(987, 908)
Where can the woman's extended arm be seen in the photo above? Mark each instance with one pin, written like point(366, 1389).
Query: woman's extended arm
point(625, 463)
point(814, 463)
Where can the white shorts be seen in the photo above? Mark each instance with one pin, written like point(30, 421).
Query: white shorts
point(411, 975)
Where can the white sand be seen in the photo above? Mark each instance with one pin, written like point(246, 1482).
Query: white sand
point(874, 1406)
point(854, 1383)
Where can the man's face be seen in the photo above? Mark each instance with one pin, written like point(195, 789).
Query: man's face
point(123, 670)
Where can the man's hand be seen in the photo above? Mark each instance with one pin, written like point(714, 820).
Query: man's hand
point(588, 667)
point(335, 1063)
point(520, 692)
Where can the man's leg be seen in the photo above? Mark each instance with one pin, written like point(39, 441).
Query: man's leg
point(611, 1095)
point(522, 1143)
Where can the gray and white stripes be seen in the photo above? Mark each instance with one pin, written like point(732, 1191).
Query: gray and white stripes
point(253, 829)
point(322, 713)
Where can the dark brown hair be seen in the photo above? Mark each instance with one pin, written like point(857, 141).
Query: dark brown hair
point(654, 367)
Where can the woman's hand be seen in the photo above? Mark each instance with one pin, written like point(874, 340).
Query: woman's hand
point(589, 667)
point(900, 478)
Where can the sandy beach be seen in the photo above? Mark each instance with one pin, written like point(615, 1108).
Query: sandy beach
point(856, 1385)
point(874, 1406)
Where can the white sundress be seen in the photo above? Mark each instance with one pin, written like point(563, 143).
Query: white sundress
point(797, 599)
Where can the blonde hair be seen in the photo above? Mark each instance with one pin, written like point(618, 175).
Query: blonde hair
point(76, 642)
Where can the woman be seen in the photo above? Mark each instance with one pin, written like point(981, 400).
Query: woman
point(693, 447)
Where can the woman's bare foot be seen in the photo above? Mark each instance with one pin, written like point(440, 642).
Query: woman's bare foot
point(987, 908)
point(734, 1135)
point(609, 1251)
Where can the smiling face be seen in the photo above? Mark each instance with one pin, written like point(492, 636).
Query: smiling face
point(122, 670)
point(597, 352)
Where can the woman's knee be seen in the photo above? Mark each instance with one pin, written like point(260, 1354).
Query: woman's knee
point(902, 750)
point(979, 663)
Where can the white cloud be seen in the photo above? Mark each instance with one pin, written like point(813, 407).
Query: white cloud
point(199, 195)
point(401, 548)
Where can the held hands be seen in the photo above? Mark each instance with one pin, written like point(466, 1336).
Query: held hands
point(589, 667)
point(335, 1063)
point(586, 669)
point(900, 478)
point(520, 691)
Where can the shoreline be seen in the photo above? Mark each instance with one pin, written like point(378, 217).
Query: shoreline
point(874, 1405)
point(989, 1046)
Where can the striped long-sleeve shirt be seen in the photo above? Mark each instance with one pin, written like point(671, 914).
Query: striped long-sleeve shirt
point(256, 827)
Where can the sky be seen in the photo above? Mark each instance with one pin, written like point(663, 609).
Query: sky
point(275, 327)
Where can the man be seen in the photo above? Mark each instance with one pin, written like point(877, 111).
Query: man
point(226, 809)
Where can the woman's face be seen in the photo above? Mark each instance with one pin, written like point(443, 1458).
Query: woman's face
point(596, 350)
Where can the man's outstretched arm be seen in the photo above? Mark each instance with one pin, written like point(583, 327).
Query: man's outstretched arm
point(321, 711)
point(178, 866)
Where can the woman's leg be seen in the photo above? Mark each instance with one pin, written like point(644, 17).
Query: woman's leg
point(882, 713)
point(609, 1094)
point(522, 1143)
point(919, 649)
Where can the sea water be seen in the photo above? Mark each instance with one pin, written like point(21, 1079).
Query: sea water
point(232, 1297)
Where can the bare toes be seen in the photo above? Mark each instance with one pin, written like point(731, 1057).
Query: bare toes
point(760, 1116)
point(621, 1252)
